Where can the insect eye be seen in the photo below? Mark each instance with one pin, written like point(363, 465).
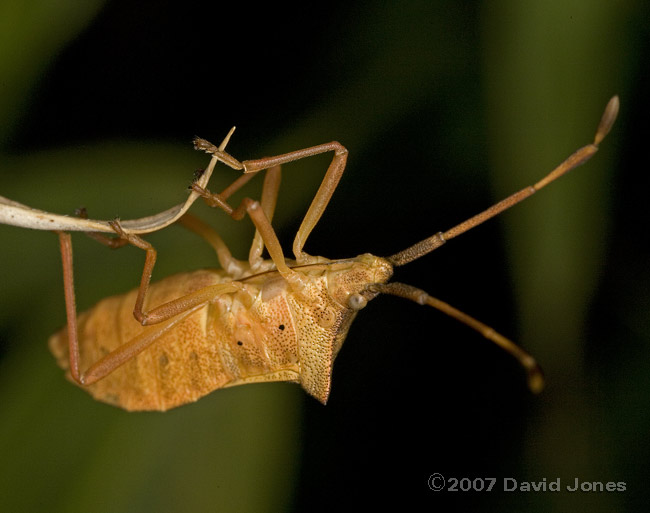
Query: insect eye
point(356, 301)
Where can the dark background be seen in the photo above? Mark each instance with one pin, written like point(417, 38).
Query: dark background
point(446, 107)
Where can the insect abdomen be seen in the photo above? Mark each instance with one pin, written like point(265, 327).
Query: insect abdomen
point(221, 344)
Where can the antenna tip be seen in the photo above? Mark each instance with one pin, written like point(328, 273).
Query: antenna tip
point(607, 121)
point(535, 375)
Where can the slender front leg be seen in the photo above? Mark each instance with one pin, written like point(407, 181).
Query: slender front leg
point(321, 199)
point(264, 228)
point(270, 191)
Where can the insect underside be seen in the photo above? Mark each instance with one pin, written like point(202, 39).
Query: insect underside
point(255, 321)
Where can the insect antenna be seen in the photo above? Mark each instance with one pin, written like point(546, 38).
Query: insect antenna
point(576, 159)
point(418, 250)
point(534, 375)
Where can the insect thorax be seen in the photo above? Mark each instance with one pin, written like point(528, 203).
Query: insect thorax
point(295, 335)
point(323, 314)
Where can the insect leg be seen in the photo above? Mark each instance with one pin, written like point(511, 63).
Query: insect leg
point(263, 225)
point(124, 238)
point(149, 262)
point(102, 238)
point(175, 311)
point(172, 308)
point(324, 193)
point(269, 199)
point(70, 303)
point(322, 197)
point(112, 360)
point(129, 350)
point(229, 263)
point(270, 189)
point(160, 314)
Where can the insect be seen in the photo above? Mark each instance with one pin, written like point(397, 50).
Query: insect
point(251, 321)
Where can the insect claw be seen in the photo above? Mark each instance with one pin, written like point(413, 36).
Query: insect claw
point(218, 152)
point(117, 227)
point(204, 145)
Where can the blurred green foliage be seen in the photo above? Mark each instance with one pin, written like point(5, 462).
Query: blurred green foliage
point(446, 107)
